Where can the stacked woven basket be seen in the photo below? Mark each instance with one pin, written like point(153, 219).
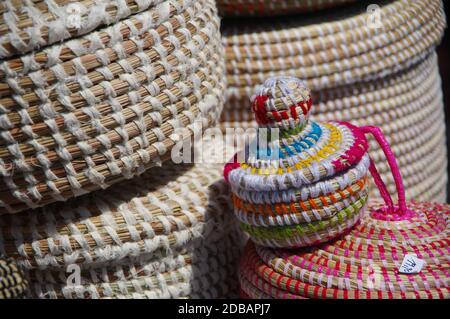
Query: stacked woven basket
point(93, 93)
point(166, 234)
point(314, 186)
point(303, 201)
point(361, 265)
point(91, 111)
point(359, 69)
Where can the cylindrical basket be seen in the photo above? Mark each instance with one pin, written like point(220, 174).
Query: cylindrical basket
point(358, 71)
point(91, 111)
point(166, 234)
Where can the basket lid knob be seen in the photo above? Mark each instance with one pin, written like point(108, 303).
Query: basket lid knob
point(283, 102)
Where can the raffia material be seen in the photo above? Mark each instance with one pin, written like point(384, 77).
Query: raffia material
point(196, 271)
point(273, 7)
point(388, 76)
point(328, 54)
point(12, 283)
point(101, 108)
point(166, 234)
point(361, 265)
point(31, 25)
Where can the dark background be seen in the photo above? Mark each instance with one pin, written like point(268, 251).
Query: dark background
point(444, 65)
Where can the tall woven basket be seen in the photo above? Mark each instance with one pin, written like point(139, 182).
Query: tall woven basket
point(166, 234)
point(378, 68)
point(89, 102)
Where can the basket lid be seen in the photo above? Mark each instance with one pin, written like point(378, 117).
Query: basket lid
point(291, 150)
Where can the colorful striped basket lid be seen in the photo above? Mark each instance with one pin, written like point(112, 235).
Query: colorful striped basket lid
point(314, 187)
point(12, 283)
point(273, 7)
point(97, 109)
point(378, 259)
point(407, 106)
point(168, 233)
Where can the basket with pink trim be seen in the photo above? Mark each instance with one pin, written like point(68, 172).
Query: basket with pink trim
point(309, 185)
point(396, 251)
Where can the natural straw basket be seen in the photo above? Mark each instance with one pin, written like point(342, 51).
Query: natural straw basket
point(314, 185)
point(329, 54)
point(387, 76)
point(92, 111)
point(29, 25)
point(12, 283)
point(166, 234)
point(196, 271)
point(365, 263)
point(273, 7)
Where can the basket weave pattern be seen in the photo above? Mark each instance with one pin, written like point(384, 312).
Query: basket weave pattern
point(12, 283)
point(91, 111)
point(273, 7)
point(387, 76)
point(29, 25)
point(166, 234)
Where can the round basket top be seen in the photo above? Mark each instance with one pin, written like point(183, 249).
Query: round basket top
point(290, 150)
point(365, 263)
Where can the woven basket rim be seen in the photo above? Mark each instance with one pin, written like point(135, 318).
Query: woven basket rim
point(69, 50)
point(43, 30)
point(311, 29)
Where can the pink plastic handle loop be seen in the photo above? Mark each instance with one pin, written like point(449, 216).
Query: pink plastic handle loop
point(381, 140)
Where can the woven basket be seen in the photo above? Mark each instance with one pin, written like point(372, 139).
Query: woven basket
point(314, 185)
point(29, 25)
point(95, 110)
point(195, 271)
point(12, 283)
point(329, 54)
point(366, 263)
point(385, 76)
point(273, 7)
point(166, 234)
